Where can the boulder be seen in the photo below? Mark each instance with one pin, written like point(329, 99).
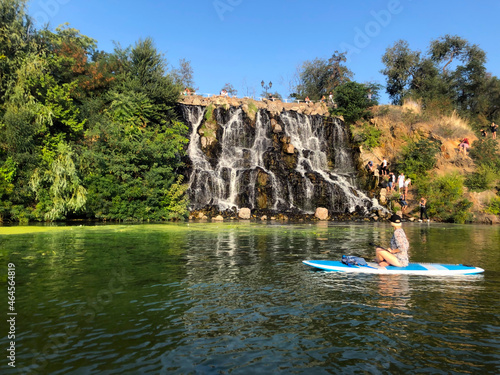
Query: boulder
point(321, 213)
point(245, 213)
point(288, 148)
point(218, 218)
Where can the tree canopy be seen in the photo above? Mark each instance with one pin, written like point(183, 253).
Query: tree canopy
point(319, 77)
point(85, 133)
point(451, 73)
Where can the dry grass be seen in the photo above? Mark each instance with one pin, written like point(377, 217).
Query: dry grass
point(412, 105)
point(452, 127)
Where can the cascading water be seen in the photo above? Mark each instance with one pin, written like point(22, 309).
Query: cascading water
point(284, 162)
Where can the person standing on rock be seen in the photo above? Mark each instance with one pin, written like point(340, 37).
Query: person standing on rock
point(401, 181)
point(494, 128)
point(407, 184)
point(384, 167)
point(392, 182)
point(423, 209)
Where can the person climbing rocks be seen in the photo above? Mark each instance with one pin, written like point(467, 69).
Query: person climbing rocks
point(407, 184)
point(369, 167)
point(463, 147)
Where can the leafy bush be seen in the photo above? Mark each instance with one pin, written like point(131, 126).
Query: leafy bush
point(418, 158)
point(445, 199)
point(352, 101)
point(367, 135)
point(485, 152)
point(484, 178)
point(494, 207)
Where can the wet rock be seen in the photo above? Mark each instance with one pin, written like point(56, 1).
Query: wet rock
point(321, 213)
point(245, 213)
point(289, 149)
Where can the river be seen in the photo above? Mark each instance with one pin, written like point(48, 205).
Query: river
point(235, 298)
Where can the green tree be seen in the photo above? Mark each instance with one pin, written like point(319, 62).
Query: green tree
point(183, 75)
point(401, 68)
point(446, 201)
point(17, 38)
point(418, 158)
point(320, 77)
point(58, 189)
point(353, 101)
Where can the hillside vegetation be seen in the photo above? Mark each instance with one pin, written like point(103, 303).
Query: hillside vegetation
point(424, 146)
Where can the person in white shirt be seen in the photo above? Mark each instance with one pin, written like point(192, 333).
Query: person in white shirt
point(407, 183)
point(384, 167)
point(401, 181)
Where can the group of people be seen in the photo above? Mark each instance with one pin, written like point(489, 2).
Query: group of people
point(493, 128)
point(401, 184)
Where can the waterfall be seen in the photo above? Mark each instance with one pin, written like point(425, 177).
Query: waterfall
point(274, 162)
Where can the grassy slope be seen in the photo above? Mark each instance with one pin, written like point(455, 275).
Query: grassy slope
point(402, 124)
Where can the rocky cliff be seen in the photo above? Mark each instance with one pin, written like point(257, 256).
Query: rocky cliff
point(271, 157)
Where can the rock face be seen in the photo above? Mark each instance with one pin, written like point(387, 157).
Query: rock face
point(265, 157)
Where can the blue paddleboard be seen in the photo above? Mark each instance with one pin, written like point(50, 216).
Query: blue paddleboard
point(429, 269)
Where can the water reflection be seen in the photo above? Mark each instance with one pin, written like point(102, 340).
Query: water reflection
point(394, 291)
point(237, 299)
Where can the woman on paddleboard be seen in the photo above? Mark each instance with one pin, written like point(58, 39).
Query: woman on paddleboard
point(397, 254)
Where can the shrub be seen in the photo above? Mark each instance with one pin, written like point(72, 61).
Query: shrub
point(484, 178)
point(366, 135)
point(418, 158)
point(352, 102)
point(485, 152)
point(445, 199)
point(494, 207)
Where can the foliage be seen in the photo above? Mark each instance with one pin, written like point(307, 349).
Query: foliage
point(353, 101)
point(183, 75)
point(486, 152)
point(175, 200)
point(85, 133)
point(451, 76)
point(58, 189)
point(445, 199)
point(484, 178)
point(494, 206)
point(418, 158)
point(366, 135)
point(320, 77)
point(401, 65)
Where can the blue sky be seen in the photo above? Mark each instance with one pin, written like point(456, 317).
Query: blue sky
point(243, 42)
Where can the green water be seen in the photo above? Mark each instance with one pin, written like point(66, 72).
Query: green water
point(235, 299)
